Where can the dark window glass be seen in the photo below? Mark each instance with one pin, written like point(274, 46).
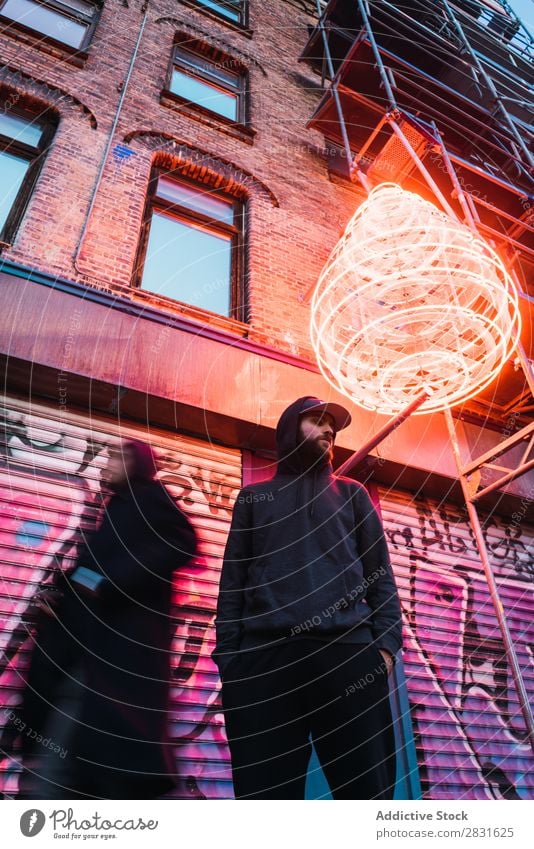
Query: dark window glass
point(68, 21)
point(20, 129)
point(209, 84)
point(192, 246)
point(234, 10)
point(12, 173)
point(23, 139)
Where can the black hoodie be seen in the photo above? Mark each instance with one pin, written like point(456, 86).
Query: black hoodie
point(305, 557)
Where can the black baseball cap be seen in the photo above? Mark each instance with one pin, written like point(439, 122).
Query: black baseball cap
point(341, 416)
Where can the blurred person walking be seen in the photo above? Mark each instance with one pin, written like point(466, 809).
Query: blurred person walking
point(98, 684)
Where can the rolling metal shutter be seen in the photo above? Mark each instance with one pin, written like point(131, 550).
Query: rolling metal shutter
point(469, 730)
point(49, 477)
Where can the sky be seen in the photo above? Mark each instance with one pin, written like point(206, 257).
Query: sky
point(525, 10)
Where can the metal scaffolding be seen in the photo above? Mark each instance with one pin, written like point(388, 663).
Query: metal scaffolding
point(421, 136)
point(494, 51)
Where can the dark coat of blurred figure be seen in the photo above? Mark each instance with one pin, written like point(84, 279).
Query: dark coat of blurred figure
point(98, 683)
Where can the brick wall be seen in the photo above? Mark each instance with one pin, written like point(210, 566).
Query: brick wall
point(295, 213)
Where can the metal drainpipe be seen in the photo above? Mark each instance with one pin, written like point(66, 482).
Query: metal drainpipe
point(488, 81)
point(144, 9)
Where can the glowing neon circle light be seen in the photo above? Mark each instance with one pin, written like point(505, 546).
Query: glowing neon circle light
point(410, 299)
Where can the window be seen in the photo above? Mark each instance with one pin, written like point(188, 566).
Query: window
point(70, 22)
point(23, 140)
point(232, 10)
point(192, 246)
point(218, 86)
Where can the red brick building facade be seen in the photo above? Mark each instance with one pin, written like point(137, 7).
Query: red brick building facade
point(112, 141)
point(274, 165)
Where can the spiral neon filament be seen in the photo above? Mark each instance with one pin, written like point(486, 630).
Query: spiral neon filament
point(408, 300)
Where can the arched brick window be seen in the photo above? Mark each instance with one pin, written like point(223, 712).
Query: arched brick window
point(25, 135)
point(192, 244)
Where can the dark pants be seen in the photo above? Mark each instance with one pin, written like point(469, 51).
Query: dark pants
point(49, 773)
point(275, 698)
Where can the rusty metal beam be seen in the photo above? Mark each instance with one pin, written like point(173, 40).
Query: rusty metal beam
point(511, 476)
point(498, 450)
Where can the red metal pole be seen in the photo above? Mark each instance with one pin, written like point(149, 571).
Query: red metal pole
point(493, 588)
point(362, 452)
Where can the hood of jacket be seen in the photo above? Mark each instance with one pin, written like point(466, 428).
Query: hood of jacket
point(144, 466)
point(292, 459)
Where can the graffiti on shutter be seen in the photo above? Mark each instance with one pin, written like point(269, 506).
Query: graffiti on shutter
point(469, 730)
point(50, 472)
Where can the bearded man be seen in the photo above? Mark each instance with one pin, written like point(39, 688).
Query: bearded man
point(308, 623)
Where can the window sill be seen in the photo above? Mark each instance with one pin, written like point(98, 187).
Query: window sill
point(205, 116)
point(58, 49)
point(188, 311)
point(226, 22)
